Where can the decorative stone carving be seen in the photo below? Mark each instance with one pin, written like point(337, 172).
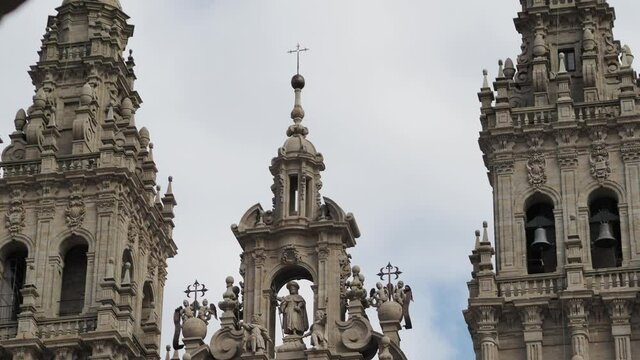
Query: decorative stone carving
point(599, 161)
point(75, 211)
point(378, 295)
point(318, 331)
point(15, 216)
point(290, 255)
point(536, 166)
point(132, 233)
point(384, 353)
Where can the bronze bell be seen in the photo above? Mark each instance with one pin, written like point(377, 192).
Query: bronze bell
point(605, 237)
point(540, 239)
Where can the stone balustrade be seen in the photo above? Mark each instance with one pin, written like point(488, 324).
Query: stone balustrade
point(532, 286)
point(61, 327)
point(527, 117)
point(20, 168)
point(594, 112)
point(612, 280)
point(86, 162)
point(76, 51)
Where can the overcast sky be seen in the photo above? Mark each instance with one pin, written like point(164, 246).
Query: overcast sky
point(390, 101)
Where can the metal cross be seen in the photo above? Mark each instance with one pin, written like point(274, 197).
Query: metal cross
point(389, 273)
point(196, 289)
point(298, 50)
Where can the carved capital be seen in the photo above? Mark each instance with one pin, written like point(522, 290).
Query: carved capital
point(620, 311)
point(532, 317)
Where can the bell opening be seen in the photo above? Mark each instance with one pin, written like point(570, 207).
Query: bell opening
point(604, 222)
point(540, 236)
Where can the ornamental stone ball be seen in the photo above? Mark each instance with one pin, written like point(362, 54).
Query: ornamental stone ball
point(194, 328)
point(297, 81)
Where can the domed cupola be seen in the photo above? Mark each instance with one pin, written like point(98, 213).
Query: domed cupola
point(296, 169)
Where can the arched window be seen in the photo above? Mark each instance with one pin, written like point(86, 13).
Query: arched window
point(148, 304)
point(13, 275)
point(74, 275)
point(604, 229)
point(540, 235)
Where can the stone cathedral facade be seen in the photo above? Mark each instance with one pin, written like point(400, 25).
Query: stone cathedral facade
point(85, 233)
point(561, 141)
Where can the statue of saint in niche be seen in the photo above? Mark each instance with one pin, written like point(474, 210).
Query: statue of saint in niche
point(294, 312)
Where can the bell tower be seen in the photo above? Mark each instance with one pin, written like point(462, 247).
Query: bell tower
point(303, 236)
point(561, 143)
point(87, 232)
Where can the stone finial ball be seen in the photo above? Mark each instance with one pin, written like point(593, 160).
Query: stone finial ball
point(477, 232)
point(297, 81)
point(356, 269)
point(229, 280)
point(485, 224)
point(386, 340)
point(168, 347)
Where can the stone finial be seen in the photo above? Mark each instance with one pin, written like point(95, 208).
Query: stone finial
point(110, 117)
point(485, 232)
point(20, 120)
point(297, 114)
point(485, 81)
point(562, 69)
point(500, 69)
point(158, 200)
point(40, 99)
point(126, 108)
point(509, 69)
point(477, 244)
point(86, 95)
point(145, 138)
point(627, 57)
point(540, 46)
point(169, 191)
point(168, 348)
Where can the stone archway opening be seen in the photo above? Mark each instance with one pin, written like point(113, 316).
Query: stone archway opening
point(281, 316)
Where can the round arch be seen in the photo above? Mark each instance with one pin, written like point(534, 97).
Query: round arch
point(63, 240)
point(594, 187)
point(284, 273)
point(17, 240)
point(524, 199)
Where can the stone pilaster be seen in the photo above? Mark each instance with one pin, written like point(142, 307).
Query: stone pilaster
point(620, 314)
point(532, 318)
point(487, 331)
point(578, 328)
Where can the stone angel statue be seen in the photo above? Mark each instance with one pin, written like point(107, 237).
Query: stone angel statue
point(206, 310)
point(408, 298)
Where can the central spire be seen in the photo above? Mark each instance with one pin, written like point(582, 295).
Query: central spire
point(297, 114)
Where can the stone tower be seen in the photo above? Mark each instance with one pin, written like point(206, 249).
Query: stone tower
point(561, 141)
point(86, 232)
point(303, 236)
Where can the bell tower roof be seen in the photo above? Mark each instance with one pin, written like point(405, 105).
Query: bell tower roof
point(114, 3)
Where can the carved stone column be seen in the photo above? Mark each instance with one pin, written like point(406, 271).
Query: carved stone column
point(620, 313)
point(578, 328)
point(487, 331)
point(532, 318)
